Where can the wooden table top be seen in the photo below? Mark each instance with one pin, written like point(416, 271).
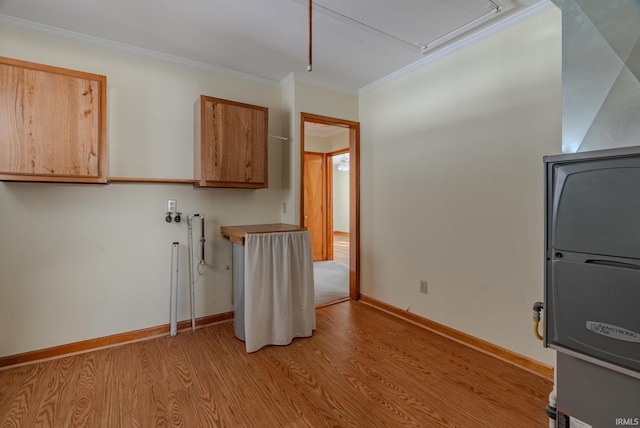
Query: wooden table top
point(236, 234)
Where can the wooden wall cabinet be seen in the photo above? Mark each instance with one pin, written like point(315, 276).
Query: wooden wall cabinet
point(52, 124)
point(230, 147)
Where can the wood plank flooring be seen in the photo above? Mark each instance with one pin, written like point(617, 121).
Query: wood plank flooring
point(341, 248)
point(361, 368)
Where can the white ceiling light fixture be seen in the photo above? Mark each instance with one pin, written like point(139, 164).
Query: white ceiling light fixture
point(343, 165)
point(493, 10)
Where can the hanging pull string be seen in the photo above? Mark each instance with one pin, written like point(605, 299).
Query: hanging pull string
point(309, 67)
point(201, 265)
point(202, 241)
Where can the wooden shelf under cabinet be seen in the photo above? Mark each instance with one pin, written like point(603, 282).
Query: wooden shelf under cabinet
point(52, 124)
point(230, 144)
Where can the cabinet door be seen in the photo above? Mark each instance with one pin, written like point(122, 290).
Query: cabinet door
point(52, 124)
point(233, 146)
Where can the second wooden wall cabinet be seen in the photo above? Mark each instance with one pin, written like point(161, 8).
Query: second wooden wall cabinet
point(52, 124)
point(230, 148)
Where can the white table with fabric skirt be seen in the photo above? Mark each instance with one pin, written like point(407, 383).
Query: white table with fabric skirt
point(272, 282)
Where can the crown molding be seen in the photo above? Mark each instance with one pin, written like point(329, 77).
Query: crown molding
point(288, 78)
point(306, 80)
point(128, 49)
point(511, 20)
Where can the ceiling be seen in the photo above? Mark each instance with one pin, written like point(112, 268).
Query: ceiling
point(323, 131)
point(356, 43)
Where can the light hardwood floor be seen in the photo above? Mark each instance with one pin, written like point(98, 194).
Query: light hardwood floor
point(341, 248)
point(361, 368)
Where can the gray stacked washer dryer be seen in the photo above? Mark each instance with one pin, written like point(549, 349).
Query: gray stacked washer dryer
point(592, 285)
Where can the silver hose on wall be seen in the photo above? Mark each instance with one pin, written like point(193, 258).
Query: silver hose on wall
point(173, 318)
point(201, 263)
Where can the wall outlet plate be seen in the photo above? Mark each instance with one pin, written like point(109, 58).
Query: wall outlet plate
point(172, 206)
point(423, 286)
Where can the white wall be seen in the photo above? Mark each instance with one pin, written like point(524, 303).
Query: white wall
point(340, 200)
point(451, 193)
point(332, 143)
point(303, 98)
point(315, 144)
point(340, 185)
point(86, 261)
point(452, 184)
point(288, 213)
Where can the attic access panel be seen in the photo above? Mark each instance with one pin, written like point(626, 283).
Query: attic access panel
point(446, 19)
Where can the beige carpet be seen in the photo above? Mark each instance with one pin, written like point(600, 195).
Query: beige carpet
point(331, 281)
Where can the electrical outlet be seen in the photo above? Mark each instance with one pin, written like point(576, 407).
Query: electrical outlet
point(172, 206)
point(284, 208)
point(423, 286)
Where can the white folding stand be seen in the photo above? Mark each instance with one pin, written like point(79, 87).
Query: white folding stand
point(175, 249)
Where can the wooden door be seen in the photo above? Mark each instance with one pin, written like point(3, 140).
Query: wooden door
point(314, 201)
point(354, 191)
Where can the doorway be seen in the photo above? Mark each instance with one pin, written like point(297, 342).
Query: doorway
point(323, 163)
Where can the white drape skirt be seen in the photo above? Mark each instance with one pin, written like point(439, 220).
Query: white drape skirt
point(278, 277)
